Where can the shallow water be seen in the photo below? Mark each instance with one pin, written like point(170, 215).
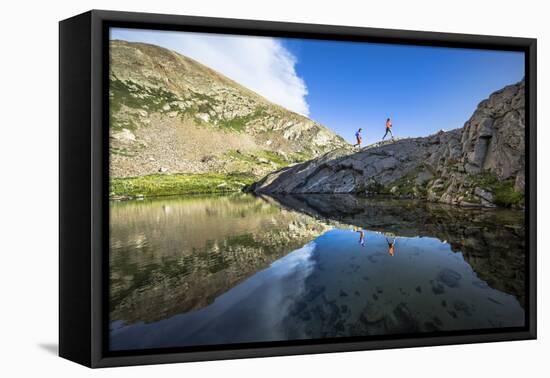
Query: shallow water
point(232, 269)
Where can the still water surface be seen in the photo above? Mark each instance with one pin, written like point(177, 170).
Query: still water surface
point(209, 270)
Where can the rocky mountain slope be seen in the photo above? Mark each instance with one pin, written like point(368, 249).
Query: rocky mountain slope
point(481, 164)
point(171, 114)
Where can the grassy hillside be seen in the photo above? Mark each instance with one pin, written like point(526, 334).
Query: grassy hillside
point(177, 184)
point(171, 115)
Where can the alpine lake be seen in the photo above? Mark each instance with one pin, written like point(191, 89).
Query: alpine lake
point(239, 268)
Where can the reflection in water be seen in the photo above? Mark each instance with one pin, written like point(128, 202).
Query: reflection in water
point(391, 246)
point(491, 241)
point(174, 255)
point(231, 269)
point(361, 237)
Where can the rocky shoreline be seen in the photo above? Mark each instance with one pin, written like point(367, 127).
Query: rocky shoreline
point(480, 165)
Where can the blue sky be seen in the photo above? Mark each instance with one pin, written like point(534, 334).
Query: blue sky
point(347, 85)
point(423, 89)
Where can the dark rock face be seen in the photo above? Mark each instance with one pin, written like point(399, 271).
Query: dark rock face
point(481, 164)
point(493, 138)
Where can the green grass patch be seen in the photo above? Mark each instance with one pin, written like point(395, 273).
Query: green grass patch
point(273, 157)
point(406, 186)
point(440, 189)
point(298, 157)
point(235, 124)
point(207, 102)
point(239, 123)
point(153, 100)
point(248, 158)
point(508, 196)
point(253, 157)
point(371, 187)
point(177, 184)
point(503, 191)
point(137, 96)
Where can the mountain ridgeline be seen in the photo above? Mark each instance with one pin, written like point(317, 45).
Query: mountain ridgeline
point(481, 164)
point(170, 115)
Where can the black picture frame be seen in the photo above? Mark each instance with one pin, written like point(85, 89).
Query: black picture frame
point(83, 182)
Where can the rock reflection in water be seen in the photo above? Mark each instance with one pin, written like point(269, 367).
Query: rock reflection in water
point(173, 255)
point(211, 270)
point(491, 241)
point(418, 285)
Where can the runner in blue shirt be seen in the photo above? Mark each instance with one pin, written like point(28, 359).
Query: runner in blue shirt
point(358, 137)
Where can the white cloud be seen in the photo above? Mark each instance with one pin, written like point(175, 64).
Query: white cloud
point(261, 64)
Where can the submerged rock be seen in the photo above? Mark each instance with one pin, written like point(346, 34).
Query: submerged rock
point(449, 277)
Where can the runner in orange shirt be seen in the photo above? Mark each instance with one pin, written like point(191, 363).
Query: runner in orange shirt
point(388, 129)
point(391, 246)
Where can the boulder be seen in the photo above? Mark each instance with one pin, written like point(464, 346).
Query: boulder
point(124, 136)
point(483, 194)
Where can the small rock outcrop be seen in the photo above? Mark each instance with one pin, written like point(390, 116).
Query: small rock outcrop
point(481, 164)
